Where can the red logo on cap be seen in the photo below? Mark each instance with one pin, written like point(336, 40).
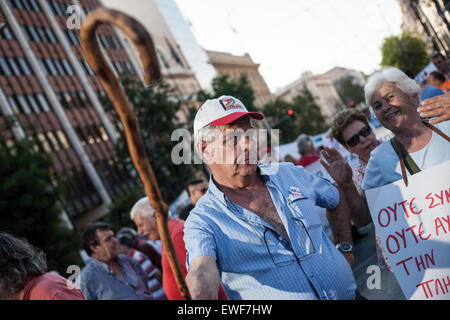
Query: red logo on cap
point(229, 103)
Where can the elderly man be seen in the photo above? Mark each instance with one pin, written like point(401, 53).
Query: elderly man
point(143, 216)
point(256, 228)
point(110, 275)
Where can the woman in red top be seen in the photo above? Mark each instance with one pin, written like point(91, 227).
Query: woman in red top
point(24, 276)
point(307, 151)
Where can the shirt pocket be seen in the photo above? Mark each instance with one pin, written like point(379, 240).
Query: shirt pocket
point(308, 228)
point(278, 248)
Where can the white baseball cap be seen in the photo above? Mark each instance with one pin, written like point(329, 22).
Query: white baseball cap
point(221, 111)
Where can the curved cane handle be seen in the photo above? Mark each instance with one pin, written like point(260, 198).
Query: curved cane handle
point(94, 56)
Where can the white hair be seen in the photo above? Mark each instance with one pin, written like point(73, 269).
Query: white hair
point(142, 207)
point(390, 74)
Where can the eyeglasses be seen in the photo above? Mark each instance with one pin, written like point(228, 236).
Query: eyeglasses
point(354, 140)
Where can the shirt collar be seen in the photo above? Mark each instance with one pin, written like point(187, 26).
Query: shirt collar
point(263, 170)
point(104, 266)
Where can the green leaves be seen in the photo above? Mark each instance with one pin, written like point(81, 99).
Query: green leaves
point(239, 88)
point(28, 204)
point(404, 52)
point(307, 117)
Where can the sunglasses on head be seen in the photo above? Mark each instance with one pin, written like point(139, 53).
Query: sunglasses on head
point(354, 140)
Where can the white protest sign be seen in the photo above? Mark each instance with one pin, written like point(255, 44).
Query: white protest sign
point(414, 227)
point(429, 68)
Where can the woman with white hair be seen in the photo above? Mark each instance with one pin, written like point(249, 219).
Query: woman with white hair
point(417, 145)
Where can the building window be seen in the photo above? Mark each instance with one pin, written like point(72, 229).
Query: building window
point(44, 143)
point(33, 103)
point(24, 66)
point(43, 102)
point(14, 66)
point(13, 104)
point(59, 67)
point(35, 5)
point(51, 67)
point(15, 4)
point(67, 67)
point(6, 33)
point(50, 35)
point(5, 69)
point(63, 139)
point(23, 104)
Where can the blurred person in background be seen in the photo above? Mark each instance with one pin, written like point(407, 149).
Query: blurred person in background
point(195, 189)
point(24, 276)
point(110, 275)
point(127, 245)
point(437, 80)
point(307, 151)
point(143, 215)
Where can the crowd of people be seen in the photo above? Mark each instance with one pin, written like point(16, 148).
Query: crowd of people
point(252, 232)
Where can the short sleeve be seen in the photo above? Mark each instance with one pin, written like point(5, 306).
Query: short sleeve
point(326, 195)
point(198, 238)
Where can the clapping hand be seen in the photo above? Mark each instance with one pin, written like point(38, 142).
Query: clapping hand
point(336, 166)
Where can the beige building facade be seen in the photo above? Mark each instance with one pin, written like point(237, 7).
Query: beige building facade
point(175, 68)
point(235, 66)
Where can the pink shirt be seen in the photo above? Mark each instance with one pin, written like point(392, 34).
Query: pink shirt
point(51, 286)
point(358, 177)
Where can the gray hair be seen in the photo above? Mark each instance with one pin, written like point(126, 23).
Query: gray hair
point(142, 207)
point(207, 134)
point(20, 262)
point(390, 74)
point(302, 144)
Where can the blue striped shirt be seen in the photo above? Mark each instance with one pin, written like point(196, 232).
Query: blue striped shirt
point(254, 260)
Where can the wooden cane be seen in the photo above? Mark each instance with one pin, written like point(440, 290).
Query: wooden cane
point(94, 56)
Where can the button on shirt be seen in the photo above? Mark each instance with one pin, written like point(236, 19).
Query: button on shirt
point(98, 282)
point(253, 259)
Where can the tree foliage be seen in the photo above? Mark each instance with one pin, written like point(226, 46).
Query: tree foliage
point(404, 52)
point(29, 205)
point(239, 88)
point(350, 92)
point(306, 118)
point(119, 214)
point(155, 108)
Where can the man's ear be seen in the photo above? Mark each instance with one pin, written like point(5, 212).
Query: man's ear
point(93, 248)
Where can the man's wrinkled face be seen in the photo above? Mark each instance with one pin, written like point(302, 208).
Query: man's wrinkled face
point(234, 151)
point(108, 247)
point(147, 227)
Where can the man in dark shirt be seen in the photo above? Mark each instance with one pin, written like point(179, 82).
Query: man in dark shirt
point(196, 189)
